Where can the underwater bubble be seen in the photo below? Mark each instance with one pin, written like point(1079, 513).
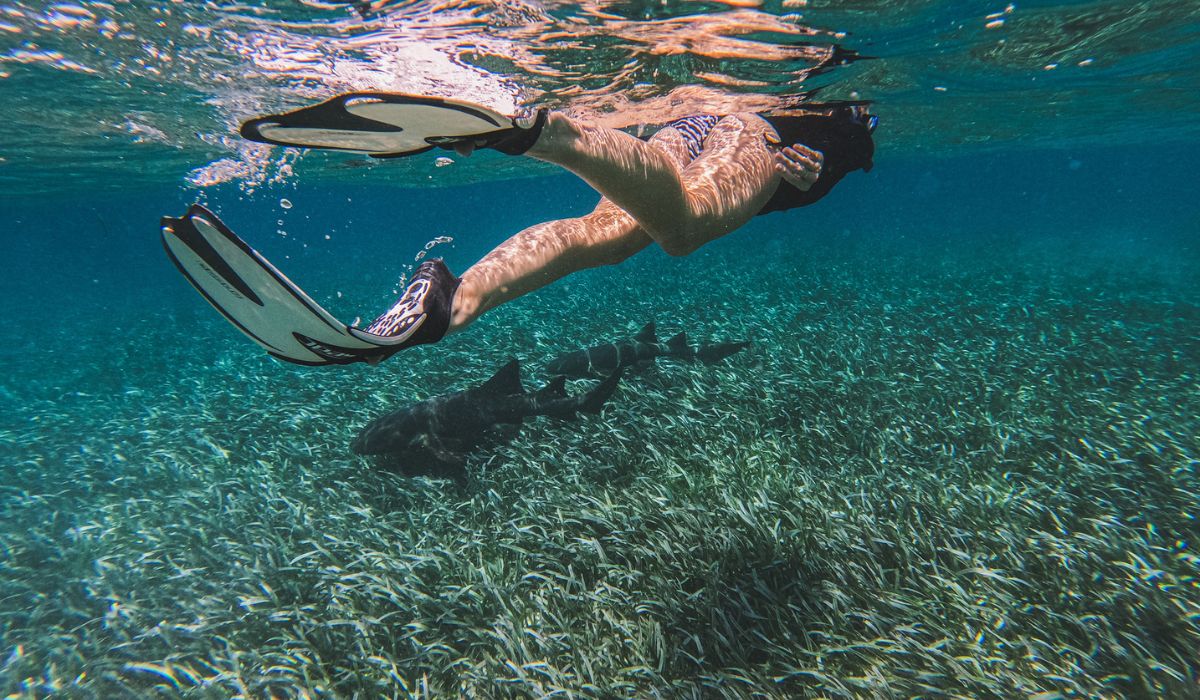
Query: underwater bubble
point(443, 162)
point(285, 203)
point(429, 245)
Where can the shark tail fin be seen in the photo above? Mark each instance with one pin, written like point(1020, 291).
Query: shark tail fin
point(719, 351)
point(648, 334)
point(594, 400)
point(555, 389)
point(678, 346)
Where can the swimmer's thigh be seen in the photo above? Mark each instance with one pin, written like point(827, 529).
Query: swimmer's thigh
point(733, 177)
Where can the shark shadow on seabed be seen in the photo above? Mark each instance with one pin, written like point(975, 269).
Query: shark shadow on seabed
point(434, 437)
point(640, 350)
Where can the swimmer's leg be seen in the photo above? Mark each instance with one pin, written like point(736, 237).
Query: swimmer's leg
point(680, 208)
point(549, 251)
point(542, 254)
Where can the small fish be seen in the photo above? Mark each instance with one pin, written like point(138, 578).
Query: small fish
point(642, 348)
point(434, 436)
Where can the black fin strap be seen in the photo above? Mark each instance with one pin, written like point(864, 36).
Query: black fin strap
point(517, 140)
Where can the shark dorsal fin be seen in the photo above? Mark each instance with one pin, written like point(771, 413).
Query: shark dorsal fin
point(505, 382)
point(555, 388)
point(679, 344)
point(647, 334)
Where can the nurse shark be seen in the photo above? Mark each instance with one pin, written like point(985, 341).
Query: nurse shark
point(433, 437)
point(642, 349)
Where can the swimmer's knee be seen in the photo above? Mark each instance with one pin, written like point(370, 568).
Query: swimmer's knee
point(617, 252)
point(688, 238)
point(678, 247)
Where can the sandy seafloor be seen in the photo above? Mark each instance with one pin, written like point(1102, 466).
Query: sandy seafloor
point(959, 460)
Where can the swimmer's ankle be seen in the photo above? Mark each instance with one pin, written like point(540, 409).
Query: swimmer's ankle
point(463, 309)
point(558, 135)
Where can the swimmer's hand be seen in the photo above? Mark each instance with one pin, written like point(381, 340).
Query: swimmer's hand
point(799, 165)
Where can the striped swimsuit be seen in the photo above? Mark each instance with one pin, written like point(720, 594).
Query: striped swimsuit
point(844, 138)
point(694, 130)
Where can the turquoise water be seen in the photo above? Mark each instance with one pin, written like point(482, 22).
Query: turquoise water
point(959, 459)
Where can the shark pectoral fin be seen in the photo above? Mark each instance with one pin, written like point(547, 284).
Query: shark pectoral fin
point(594, 400)
point(503, 434)
point(447, 457)
point(555, 389)
point(442, 451)
point(715, 353)
point(436, 463)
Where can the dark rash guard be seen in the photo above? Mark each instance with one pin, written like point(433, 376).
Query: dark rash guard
point(842, 138)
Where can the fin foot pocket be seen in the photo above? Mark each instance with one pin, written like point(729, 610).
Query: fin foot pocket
point(422, 313)
point(518, 140)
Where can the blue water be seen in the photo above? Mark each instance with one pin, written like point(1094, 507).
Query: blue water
point(958, 459)
point(84, 251)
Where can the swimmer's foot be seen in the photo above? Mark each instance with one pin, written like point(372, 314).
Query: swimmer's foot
point(513, 141)
point(420, 316)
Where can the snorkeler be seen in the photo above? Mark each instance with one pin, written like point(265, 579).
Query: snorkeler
point(694, 180)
